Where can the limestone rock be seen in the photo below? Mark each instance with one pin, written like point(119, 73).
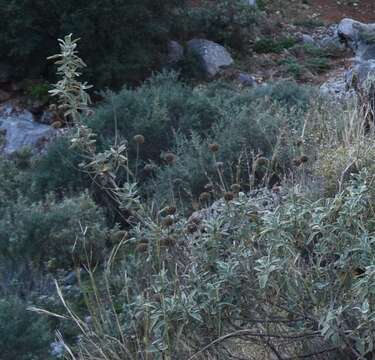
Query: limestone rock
point(211, 55)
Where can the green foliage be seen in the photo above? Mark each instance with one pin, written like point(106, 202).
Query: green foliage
point(289, 261)
point(72, 94)
point(164, 105)
point(309, 23)
point(57, 170)
point(270, 45)
point(37, 91)
point(52, 229)
point(228, 22)
point(23, 334)
point(138, 31)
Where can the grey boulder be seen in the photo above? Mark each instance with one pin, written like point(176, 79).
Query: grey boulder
point(19, 131)
point(211, 55)
point(359, 37)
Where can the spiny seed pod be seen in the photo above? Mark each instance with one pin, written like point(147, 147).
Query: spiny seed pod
point(139, 139)
point(57, 124)
point(205, 196)
point(304, 159)
point(167, 241)
point(142, 247)
point(213, 147)
point(297, 162)
point(236, 188)
point(219, 164)
point(170, 158)
point(191, 228)
point(168, 221)
point(228, 196)
point(170, 210)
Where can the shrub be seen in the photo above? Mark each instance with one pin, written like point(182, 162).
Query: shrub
point(228, 22)
point(270, 45)
point(290, 261)
point(50, 230)
point(23, 334)
point(164, 105)
point(57, 170)
point(337, 164)
point(241, 135)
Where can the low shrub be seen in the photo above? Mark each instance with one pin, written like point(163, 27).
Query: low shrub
point(23, 335)
point(231, 23)
point(270, 45)
point(57, 170)
point(52, 230)
point(288, 260)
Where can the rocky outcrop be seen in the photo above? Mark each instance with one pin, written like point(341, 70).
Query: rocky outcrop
point(359, 37)
point(211, 55)
point(19, 131)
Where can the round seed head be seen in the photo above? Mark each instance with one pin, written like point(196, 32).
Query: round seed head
point(213, 147)
point(142, 247)
point(228, 196)
point(170, 158)
point(204, 196)
point(191, 228)
point(261, 161)
point(170, 210)
point(139, 139)
point(167, 241)
point(236, 188)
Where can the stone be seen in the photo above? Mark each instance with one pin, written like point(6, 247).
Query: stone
point(211, 55)
point(363, 70)
point(246, 79)
point(337, 88)
point(21, 131)
point(307, 39)
point(175, 52)
point(359, 37)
